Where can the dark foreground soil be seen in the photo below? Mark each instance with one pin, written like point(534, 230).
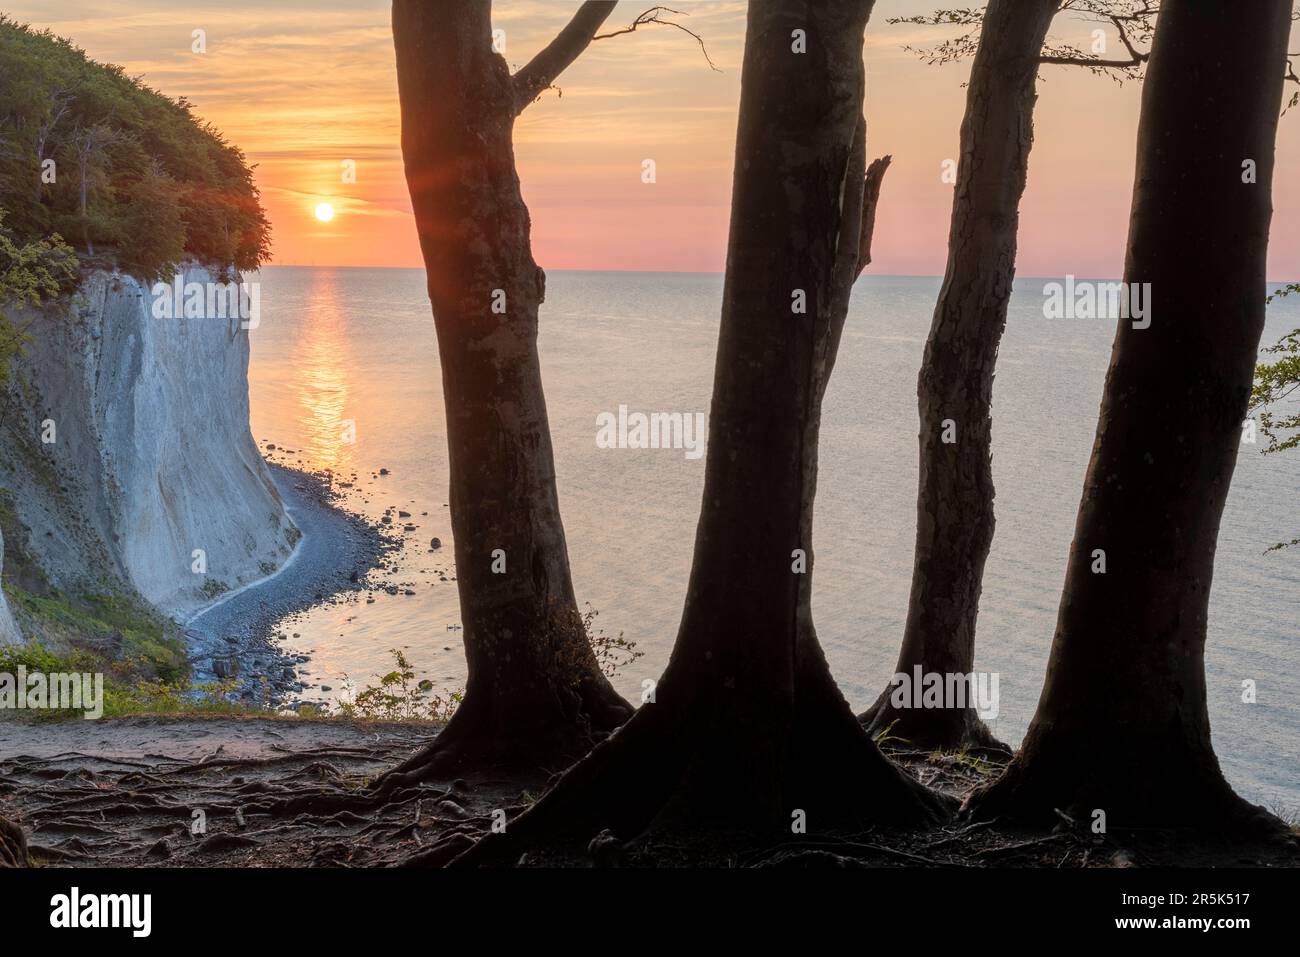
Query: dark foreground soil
point(265, 792)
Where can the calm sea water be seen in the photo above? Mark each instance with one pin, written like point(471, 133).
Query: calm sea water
point(339, 346)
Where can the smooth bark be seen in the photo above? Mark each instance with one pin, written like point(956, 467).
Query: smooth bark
point(535, 695)
point(747, 727)
point(954, 509)
point(1122, 725)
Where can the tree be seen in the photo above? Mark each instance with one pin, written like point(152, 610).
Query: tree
point(90, 146)
point(746, 729)
point(535, 695)
point(152, 223)
point(954, 513)
point(59, 101)
point(1122, 724)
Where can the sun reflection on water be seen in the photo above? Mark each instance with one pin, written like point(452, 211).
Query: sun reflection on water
point(322, 359)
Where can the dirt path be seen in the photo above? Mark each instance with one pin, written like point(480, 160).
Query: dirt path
point(261, 792)
point(238, 792)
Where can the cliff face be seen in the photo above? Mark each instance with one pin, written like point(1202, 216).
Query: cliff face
point(126, 451)
point(8, 630)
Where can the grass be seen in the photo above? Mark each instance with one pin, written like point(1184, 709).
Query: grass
point(125, 693)
point(966, 759)
point(119, 634)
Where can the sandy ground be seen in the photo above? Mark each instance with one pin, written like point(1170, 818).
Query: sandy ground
point(192, 739)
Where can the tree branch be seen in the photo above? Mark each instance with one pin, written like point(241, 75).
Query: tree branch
point(542, 70)
point(653, 16)
point(870, 196)
point(1084, 61)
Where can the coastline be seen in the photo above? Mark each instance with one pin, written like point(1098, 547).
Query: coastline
point(234, 638)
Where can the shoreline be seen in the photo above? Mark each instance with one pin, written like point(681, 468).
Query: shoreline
point(265, 580)
point(235, 637)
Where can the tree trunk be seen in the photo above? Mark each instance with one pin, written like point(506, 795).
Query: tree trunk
point(1122, 725)
point(747, 727)
point(954, 508)
point(536, 697)
point(85, 216)
point(40, 159)
point(13, 845)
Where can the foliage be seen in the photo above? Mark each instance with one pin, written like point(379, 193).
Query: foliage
point(32, 271)
point(1275, 381)
point(126, 692)
point(612, 653)
point(1132, 20)
point(399, 697)
point(122, 637)
point(134, 171)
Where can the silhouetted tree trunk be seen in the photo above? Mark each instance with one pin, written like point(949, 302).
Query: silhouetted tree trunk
point(536, 696)
point(954, 509)
point(13, 845)
point(747, 727)
point(1122, 725)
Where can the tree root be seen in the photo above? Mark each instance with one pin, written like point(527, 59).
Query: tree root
point(475, 744)
point(1127, 789)
point(13, 845)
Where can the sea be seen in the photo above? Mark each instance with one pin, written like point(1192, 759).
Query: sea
point(344, 376)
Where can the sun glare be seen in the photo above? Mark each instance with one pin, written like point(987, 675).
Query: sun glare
point(324, 212)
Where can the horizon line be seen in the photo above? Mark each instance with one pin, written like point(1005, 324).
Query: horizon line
point(707, 272)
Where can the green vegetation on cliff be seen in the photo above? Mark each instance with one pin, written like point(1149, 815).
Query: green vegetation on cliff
point(127, 174)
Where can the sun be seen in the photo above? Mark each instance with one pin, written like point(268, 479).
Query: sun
point(324, 212)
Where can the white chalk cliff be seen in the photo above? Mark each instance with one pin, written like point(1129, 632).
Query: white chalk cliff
point(9, 634)
point(127, 450)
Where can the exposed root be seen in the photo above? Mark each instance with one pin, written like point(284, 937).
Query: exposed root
point(86, 810)
point(90, 812)
point(478, 741)
point(13, 845)
point(1125, 790)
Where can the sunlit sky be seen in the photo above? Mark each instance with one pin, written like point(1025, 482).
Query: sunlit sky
point(302, 85)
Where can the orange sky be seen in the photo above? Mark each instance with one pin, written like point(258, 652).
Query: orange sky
point(302, 85)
